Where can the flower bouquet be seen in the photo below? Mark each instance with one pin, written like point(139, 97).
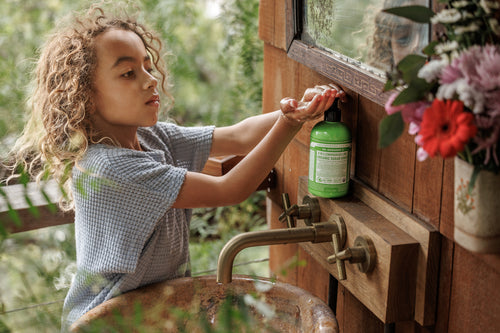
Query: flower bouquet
point(450, 93)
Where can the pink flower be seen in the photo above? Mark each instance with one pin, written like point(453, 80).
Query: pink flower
point(473, 75)
point(450, 74)
point(414, 112)
point(411, 112)
point(488, 68)
point(389, 108)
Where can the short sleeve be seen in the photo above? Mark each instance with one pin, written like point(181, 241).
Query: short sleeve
point(189, 146)
point(121, 195)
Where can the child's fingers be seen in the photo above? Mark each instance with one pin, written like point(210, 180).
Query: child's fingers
point(314, 108)
point(329, 101)
point(340, 93)
point(310, 93)
point(288, 105)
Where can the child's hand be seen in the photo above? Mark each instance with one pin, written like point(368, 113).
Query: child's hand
point(312, 105)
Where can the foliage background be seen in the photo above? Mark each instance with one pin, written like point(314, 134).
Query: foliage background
point(216, 68)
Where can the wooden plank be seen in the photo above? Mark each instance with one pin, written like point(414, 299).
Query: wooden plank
point(38, 214)
point(266, 21)
point(276, 64)
point(389, 290)
point(218, 166)
point(276, 23)
point(317, 283)
point(427, 190)
point(281, 257)
point(357, 318)
point(282, 15)
point(290, 28)
point(446, 222)
point(474, 301)
point(445, 280)
point(367, 154)
point(429, 249)
point(397, 169)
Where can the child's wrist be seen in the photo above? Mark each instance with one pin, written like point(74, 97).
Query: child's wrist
point(291, 121)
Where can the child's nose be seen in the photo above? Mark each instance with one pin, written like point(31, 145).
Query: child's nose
point(150, 81)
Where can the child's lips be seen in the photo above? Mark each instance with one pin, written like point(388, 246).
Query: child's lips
point(154, 100)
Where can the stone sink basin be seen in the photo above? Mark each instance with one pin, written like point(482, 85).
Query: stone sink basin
point(199, 304)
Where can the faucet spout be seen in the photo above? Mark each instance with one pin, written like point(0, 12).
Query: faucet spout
point(317, 233)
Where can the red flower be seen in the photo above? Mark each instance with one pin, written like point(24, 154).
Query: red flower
point(446, 128)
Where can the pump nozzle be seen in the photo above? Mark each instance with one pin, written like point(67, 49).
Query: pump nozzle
point(333, 114)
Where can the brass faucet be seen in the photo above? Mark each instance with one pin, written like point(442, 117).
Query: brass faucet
point(315, 232)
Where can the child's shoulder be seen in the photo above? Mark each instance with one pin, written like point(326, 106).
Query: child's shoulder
point(102, 156)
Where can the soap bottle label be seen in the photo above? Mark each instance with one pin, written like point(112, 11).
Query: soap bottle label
point(329, 168)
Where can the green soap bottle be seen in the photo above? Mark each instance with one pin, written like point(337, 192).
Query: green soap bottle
point(330, 156)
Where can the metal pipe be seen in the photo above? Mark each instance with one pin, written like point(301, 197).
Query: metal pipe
point(317, 233)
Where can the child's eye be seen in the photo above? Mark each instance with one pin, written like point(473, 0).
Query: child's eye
point(128, 74)
point(151, 70)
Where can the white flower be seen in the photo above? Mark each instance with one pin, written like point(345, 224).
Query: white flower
point(472, 98)
point(448, 91)
point(494, 26)
point(489, 5)
point(460, 4)
point(446, 47)
point(468, 28)
point(447, 16)
point(432, 69)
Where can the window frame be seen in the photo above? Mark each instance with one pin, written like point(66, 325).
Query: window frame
point(341, 69)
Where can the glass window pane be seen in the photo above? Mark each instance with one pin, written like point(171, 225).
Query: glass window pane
point(360, 31)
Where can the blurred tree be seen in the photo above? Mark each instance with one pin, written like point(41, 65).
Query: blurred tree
point(216, 71)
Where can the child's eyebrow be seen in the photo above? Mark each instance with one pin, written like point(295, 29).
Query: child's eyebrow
point(128, 59)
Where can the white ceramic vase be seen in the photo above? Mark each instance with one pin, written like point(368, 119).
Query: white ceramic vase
point(477, 215)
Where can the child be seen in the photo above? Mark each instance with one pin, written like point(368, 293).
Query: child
point(134, 179)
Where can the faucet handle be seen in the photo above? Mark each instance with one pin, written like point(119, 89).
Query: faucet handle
point(362, 253)
point(289, 211)
point(309, 211)
point(335, 257)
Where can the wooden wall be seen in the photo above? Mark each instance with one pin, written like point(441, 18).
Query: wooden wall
point(468, 296)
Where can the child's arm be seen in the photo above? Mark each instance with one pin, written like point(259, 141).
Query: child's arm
point(241, 138)
point(200, 190)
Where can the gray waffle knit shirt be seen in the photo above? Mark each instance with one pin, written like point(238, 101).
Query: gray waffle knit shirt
point(127, 234)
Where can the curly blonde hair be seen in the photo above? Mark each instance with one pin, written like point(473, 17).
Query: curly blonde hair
point(60, 129)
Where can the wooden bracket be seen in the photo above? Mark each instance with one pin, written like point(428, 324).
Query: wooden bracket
point(403, 284)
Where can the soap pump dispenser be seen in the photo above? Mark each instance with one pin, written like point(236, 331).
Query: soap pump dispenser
point(330, 156)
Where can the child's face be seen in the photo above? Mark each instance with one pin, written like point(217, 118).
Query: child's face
point(125, 90)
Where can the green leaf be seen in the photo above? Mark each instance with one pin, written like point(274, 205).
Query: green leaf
point(430, 49)
point(31, 208)
point(389, 85)
point(410, 65)
point(473, 178)
point(390, 128)
point(3, 233)
point(413, 93)
point(419, 14)
point(14, 215)
point(50, 205)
